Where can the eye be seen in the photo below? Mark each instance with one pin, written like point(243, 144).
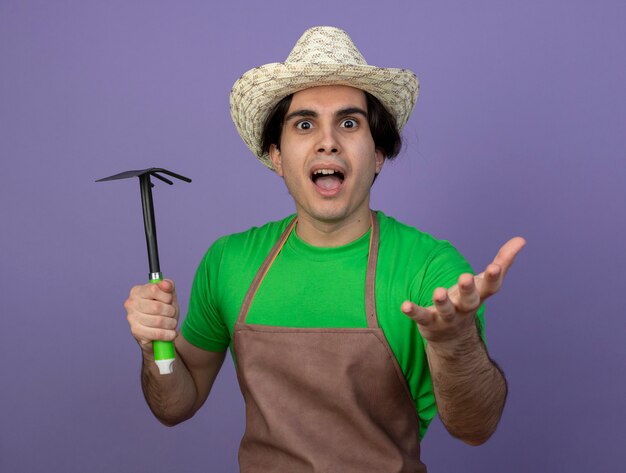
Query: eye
point(304, 125)
point(349, 123)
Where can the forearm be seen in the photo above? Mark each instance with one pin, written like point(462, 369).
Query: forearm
point(172, 398)
point(469, 387)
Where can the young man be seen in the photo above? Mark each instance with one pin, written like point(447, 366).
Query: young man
point(342, 329)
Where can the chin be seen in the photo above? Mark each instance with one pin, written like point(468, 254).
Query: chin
point(330, 215)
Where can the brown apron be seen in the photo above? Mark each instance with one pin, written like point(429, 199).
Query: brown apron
point(323, 399)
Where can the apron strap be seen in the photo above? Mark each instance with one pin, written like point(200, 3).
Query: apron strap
point(256, 282)
point(370, 279)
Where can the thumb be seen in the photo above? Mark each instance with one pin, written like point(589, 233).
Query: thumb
point(508, 252)
point(167, 285)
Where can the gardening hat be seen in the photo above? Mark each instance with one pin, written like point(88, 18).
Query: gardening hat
point(324, 55)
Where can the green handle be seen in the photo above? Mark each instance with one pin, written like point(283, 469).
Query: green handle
point(164, 352)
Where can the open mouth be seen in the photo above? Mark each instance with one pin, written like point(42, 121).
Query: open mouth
point(327, 179)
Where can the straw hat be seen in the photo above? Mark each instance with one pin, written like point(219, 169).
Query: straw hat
point(322, 56)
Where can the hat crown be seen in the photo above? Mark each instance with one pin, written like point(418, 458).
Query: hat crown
point(325, 45)
point(323, 55)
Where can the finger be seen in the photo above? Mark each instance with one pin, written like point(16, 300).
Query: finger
point(146, 328)
point(152, 291)
point(147, 335)
point(167, 285)
point(156, 321)
point(170, 287)
point(442, 303)
point(422, 315)
point(489, 281)
point(152, 307)
point(506, 254)
point(469, 298)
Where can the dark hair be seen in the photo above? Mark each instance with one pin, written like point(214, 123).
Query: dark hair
point(382, 126)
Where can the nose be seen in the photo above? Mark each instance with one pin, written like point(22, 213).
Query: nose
point(328, 142)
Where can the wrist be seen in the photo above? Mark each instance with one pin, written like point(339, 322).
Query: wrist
point(462, 344)
point(147, 352)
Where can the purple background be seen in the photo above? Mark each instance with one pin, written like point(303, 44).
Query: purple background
point(519, 129)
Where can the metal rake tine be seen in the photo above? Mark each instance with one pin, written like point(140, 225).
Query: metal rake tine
point(170, 173)
point(161, 178)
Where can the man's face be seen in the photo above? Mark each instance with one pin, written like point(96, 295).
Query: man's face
point(327, 155)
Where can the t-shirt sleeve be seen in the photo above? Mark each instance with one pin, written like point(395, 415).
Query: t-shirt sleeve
point(204, 326)
point(443, 270)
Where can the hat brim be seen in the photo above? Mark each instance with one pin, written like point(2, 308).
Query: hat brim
point(258, 91)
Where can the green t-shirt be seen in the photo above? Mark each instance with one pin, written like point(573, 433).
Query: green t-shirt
point(315, 287)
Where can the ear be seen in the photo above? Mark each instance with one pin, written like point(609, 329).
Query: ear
point(380, 160)
point(276, 159)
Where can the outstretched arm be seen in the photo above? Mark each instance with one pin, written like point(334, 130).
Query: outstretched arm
point(469, 387)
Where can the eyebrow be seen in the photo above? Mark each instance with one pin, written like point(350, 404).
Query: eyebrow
point(313, 114)
point(301, 113)
point(351, 111)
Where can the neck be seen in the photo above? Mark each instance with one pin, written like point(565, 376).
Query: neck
point(331, 233)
